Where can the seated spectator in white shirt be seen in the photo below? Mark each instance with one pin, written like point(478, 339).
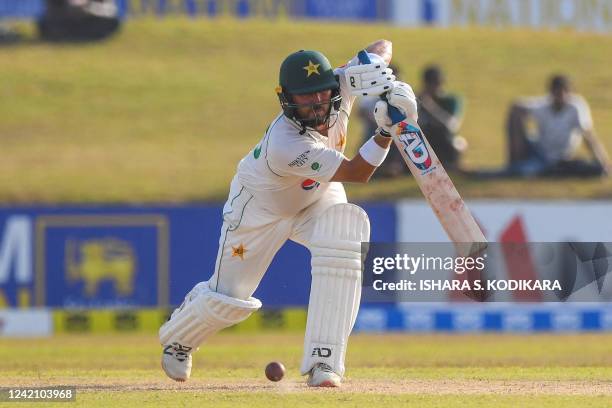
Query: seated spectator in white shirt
point(562, 120)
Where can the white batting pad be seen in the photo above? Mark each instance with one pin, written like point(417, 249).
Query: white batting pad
point(335, 291)
point(202, 314)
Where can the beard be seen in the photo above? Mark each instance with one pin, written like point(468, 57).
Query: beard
point(316, 115)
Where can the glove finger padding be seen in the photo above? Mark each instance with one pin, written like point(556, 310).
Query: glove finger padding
point(374, 90)
point(381, 115)
point(372, 76)
point(377, 85)
point(363, 68)
point(369, 79)
point(402, 97)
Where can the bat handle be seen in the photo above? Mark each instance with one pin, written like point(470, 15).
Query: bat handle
point(364, 58)
point(395, 114)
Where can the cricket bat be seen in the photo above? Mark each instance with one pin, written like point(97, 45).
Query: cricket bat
point(434, 182)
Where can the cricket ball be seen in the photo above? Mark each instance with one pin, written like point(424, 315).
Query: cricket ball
point(275, 371)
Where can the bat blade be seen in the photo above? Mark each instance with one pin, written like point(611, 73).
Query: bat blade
point(436, 185)
point(434, 182)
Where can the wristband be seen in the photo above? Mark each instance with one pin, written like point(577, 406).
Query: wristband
point(373, 153)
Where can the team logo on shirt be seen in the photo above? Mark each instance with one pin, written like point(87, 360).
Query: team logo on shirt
point(257, 152)
point(341, 143)
point(239, 251)
point(414, 146)
point(309, 184)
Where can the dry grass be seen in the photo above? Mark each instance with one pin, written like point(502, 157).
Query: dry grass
point(165, 110)
point(394, 370)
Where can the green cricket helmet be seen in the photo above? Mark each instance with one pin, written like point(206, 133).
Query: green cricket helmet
point(306, 72)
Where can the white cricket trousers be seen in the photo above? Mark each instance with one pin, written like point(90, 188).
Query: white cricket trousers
point(251, 236)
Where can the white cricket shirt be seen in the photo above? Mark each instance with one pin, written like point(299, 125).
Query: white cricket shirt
point(286, 171)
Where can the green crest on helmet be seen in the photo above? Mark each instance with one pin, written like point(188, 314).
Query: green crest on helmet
point(306, 72)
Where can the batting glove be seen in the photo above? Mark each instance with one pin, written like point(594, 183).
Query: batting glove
point(369, 79)
point(402, 97)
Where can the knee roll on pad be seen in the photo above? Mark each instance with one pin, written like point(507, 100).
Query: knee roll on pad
point(202, 314)
point(335, 291)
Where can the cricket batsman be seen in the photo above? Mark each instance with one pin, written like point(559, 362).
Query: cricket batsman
point(289, 186)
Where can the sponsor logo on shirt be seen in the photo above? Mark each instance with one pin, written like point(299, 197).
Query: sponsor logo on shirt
point(414, 146)
point(310, 184)
point(300, 160)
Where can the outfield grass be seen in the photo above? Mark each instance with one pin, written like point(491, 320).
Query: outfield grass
point(382, 370)
point(165, 110)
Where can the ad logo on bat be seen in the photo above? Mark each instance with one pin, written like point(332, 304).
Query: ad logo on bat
point(415, 146)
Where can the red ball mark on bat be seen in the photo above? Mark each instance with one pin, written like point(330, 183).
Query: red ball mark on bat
point(456, 204)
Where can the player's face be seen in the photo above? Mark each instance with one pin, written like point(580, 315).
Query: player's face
point(313, 105)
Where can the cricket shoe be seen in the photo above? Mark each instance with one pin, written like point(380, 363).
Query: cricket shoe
point(176, 361)
point(322, 375)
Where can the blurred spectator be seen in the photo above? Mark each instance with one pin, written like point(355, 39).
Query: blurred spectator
point(440, 117)
point(562, 120)
point(394, 164)
point(8, 35)
point(78, 20)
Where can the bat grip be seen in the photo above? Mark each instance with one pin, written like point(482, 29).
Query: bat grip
point(395, 114)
